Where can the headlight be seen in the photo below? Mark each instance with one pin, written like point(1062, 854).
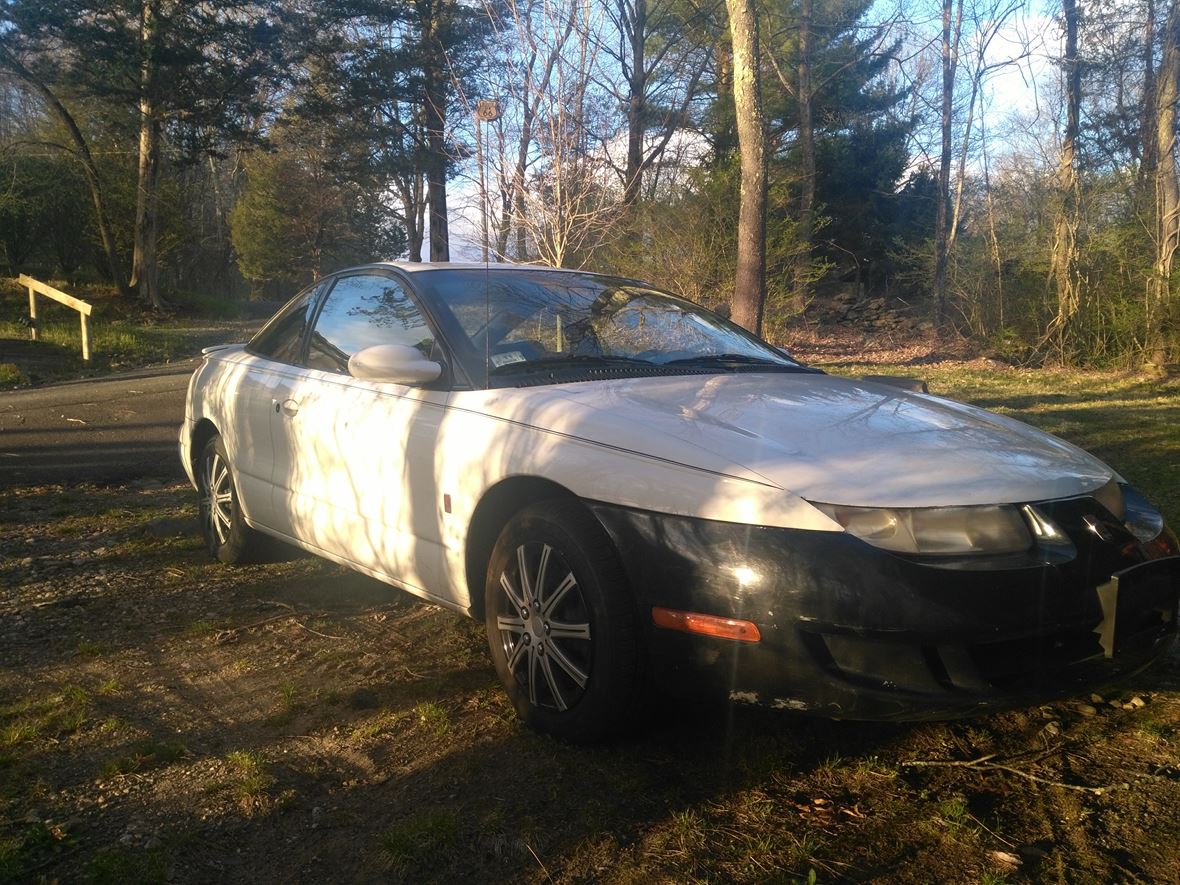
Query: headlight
point(1141, 519)
point(936, 531)
point(1110, 496)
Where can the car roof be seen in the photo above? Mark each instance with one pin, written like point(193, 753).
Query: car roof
point(419, 266)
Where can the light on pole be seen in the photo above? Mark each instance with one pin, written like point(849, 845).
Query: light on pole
point(486, 111)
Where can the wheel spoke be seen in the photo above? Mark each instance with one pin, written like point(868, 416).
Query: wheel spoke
point(533, 676)
point(552, 682)
point(510, 624)
point(514, 656)
point(510, 591)
point(522, 567)
point(542, 566)
point(573, 670)
point(568, 583)
point(562, 630)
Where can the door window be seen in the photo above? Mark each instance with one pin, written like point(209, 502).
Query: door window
point(281, 338)
point(362, 311)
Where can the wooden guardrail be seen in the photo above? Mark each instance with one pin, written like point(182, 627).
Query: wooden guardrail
point(36, 287)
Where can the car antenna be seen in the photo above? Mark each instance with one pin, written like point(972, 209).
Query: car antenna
point(487, 110)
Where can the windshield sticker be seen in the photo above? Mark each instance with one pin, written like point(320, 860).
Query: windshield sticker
point(503, 359)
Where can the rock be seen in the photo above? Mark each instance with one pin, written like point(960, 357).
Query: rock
point(170, 528)
point(1096, 699)
point(1138, 702)
point(1006, 860)
point(1086, 709)
point(363, 699)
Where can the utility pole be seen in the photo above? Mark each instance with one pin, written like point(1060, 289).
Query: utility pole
point(486, 111)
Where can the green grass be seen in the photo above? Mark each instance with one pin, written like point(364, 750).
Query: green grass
point(122, 335)
point(251, 778)
point(1131, 422)
point(115, 865)
point(33, 719)
point(146, 755)
point(415, 841)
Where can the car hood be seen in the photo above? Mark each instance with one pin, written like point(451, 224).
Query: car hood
point(821, 437)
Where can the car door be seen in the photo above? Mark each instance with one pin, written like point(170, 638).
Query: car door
point(270, 357)
point(355, 471)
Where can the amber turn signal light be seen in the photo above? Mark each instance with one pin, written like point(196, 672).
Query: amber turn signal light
point(706, 625)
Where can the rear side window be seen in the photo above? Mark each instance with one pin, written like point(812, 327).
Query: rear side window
point(280, 339)
point(362, 311)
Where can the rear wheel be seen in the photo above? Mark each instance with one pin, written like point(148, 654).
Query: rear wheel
point(562, 625)
point(226, 534)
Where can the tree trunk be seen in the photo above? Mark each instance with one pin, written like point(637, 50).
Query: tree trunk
point(434, 89)
point(1147, 162)
point(807, 161)
point(1167, 189)
point(951, 25)
point(144, 271)
point(82, 151)
point(1063, 260)
point(636, 24)
point(749, 294)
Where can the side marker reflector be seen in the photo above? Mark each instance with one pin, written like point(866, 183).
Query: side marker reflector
point(705, 625)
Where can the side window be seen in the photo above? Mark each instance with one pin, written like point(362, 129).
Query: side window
point(281, 338)
point(362, 311)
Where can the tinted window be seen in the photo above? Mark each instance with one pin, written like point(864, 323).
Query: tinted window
point(280, 339)
point(362, 311)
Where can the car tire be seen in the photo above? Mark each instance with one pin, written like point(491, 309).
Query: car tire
point(226, 534)
point(566, 639)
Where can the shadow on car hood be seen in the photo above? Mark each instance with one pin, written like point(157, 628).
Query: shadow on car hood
point(822, 437)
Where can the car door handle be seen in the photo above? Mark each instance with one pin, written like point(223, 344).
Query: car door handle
point(288, 407)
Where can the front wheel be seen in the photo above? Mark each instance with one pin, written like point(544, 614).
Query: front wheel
point(224, 529)
point(562, 625)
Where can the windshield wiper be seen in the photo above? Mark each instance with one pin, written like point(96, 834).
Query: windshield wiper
point(731, 360)
point(571, 360)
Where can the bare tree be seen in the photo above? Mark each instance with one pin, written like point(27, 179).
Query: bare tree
point(1063, 257)
point(952, 29)
point(1167, 189)
point(749, 296)
point(568, 205)
point(661, 69)
point(807, 157)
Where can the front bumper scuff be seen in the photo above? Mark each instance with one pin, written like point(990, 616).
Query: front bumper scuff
point(851, 631)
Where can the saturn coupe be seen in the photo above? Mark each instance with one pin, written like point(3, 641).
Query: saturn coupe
point(636, 495)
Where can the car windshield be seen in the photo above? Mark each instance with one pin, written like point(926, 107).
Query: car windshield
point(536, 320)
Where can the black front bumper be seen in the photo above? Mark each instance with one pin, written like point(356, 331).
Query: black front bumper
point(851, 631)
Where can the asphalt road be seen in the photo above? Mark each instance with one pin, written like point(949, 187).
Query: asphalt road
point(122, 427)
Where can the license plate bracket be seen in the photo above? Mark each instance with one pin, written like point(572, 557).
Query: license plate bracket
point(1138, 605)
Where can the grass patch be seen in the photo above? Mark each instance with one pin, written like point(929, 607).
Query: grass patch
point(251, 780)
point(431, 717)
point(21, 853)
point(11, 375)
point(146, 755)
point(116, 865)
point(414, 843)
point(30, 720)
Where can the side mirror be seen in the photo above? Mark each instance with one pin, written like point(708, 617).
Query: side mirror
point(914, 385)
point(396, 363)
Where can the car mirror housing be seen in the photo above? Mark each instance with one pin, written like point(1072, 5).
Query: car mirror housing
point(395, 363)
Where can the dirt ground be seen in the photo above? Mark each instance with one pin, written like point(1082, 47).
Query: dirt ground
point(166, 718)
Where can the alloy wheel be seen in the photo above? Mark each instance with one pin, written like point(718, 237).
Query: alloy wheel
point(216, 498)
point(544, 625)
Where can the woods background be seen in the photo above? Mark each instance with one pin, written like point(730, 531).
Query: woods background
point(1001, 169)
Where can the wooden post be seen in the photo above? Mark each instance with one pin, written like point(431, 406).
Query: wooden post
point(36, 287)
point(33, 312)
point(85, 337)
